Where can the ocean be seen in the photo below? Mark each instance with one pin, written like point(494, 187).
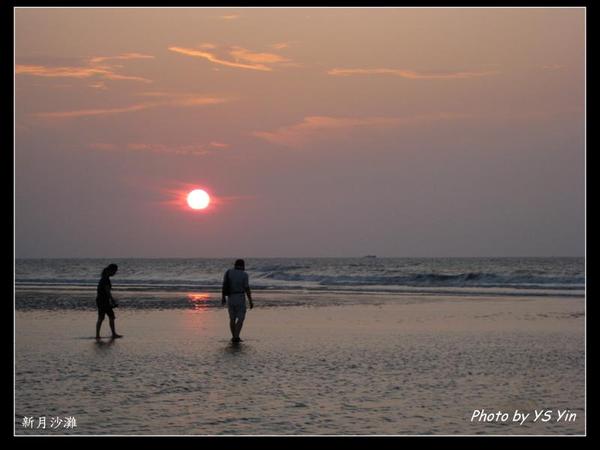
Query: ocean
point(181, 283)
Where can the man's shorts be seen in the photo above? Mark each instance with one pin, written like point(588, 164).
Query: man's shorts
point(105, 310)
point(236, 304)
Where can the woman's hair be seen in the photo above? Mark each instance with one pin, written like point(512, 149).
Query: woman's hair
point(110, 269)
point(239, 264)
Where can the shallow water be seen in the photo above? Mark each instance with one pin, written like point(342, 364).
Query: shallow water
point(379, 369)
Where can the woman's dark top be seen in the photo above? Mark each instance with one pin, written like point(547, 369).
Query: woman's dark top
point(103, 299)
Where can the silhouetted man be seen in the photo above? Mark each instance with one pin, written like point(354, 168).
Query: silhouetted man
point(235, 289)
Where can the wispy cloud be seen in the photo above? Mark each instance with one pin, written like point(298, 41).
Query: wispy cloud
point(412, 74)
point(218, 144)
point(552, 67)
point(93, 112)
point(254, 57)
point(183, 98)
point(282, 45)
point(67, 72)
point(99, 85)
point(191, 150)
point(214, 59)
point(240, 58)
point(178, 149)
point(102, 146)
point(164, 100)
point(124, 56)
point(313, 127)
point(93, 68)
point(230, 17)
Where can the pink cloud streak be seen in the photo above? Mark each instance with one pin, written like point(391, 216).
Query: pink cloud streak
point(242, 57)
point(410, 74)
point(314, 126)
point(168, 100)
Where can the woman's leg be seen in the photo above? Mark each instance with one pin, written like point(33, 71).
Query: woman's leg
point(99, 324)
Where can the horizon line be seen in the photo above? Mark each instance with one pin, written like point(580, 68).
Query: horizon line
point(297, 257)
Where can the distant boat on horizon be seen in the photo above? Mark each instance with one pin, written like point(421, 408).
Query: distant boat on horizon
point(370, 256)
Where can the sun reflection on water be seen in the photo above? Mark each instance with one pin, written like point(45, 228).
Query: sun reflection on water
point(198, 299)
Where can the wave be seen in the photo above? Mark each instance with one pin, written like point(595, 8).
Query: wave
point(287, 279)
point(152, 279)
point(431, 279)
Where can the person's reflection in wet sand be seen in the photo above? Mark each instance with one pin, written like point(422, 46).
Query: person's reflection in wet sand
point(101, 345)
point(234, 347)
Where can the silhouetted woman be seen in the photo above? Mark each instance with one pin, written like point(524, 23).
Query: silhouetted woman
point(105, 301)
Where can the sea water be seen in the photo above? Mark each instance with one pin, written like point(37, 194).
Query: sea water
point(179, 283)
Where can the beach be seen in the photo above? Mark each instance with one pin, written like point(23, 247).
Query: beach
point(401, 192)
point(349, 364)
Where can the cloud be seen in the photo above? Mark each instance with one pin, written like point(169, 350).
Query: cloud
point(282, 45)
point(411, 74)
point(213, 58)
point(67, 72)
point(230, 17)
point(193, 150)
point(93, 112)
point(99, 85)
point(124, 56)
point(195, 101)
point(313, 127)
point(218, 144)
point(185, 150)
point(247, 55)
point(552, 67)
point(93, 68)
point(158, 94)
point(164, 100)
point(115, 76)
point(241, 58)
point(182, 98)
point(102, 146)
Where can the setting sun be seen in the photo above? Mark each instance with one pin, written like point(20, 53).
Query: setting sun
point(198, 199)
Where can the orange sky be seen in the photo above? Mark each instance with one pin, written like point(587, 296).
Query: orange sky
point(320, 132)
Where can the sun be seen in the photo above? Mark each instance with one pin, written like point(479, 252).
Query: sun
point(198, 199)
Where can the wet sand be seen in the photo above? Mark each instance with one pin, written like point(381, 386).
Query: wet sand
point(400, 366)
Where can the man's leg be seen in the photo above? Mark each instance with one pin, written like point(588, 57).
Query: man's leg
point(238, 328)
point(232, 326)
